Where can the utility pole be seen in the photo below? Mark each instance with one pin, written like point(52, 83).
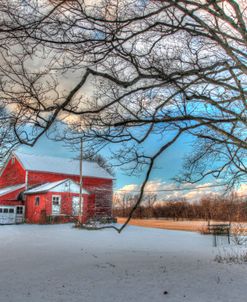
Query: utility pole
point(80, 196)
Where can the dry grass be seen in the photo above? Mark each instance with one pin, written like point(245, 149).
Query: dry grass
point(183, 225)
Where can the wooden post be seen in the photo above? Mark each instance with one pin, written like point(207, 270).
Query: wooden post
point(80, 196)
point(229, 233)
point(215, 239)
point(26, 180)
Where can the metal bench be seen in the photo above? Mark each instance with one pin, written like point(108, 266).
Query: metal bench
point(219, 230)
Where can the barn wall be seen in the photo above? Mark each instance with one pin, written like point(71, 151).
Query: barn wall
point(35, 178)
point(101, 189)
point(40, 214)
point(11, 203)
point(66, 202)
point(12, 174)
point(99, 203)
point(33, 212)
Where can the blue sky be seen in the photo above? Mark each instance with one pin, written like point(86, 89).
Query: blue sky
point(167, 166)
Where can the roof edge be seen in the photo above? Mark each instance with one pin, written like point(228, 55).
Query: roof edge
point(21, 163)
point(57, 184)
point(44, 191)
point(20, 186)
point(5, 163)
point(30, 170)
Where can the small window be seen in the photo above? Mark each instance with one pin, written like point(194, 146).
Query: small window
point(11, 211)
point(12, 160)
point(6, 210)
point(37, 200)
point(1, 210)
point(56, 200)
point(19, 210)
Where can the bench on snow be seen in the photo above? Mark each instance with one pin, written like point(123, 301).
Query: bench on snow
point(220, 229)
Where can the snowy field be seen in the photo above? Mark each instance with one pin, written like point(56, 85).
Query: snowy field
point(56, 263)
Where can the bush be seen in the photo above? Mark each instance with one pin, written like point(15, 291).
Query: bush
point(233, 255)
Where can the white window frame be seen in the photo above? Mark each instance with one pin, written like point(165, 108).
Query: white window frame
point(59, 197)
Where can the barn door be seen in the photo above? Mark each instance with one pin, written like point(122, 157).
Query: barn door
point(7, 215)
point(75, 205)
point(56, 205)
point(20, 214)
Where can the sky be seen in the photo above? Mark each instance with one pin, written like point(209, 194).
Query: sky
point(168, 166)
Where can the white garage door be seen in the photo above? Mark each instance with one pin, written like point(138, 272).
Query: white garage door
point(7, 215)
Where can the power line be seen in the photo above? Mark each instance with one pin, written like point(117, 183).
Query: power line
point(175, 189)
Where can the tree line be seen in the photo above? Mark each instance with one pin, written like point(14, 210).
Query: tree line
point(209, 207)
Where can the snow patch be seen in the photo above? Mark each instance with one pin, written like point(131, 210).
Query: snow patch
point(59, 263)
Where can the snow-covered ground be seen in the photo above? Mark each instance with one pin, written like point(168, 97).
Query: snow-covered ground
point(56, 263)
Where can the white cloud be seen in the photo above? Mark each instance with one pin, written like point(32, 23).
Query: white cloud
point(170, 191)
point(242, 189)
point(128, 189)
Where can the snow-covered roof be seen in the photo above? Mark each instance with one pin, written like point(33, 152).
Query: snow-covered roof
point(10, 189)
point(65, 185)
point(44, 163)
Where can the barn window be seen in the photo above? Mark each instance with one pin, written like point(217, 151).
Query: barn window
point(1, 210)
point(5, 210)
point(37, 200)
point(12, 160)
point(19, 210)
point(56, 200)
point(11, 211)
point(56, 204)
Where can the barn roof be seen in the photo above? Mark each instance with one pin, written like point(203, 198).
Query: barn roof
point(51, 186)
point(11, 189)
point(68, 166)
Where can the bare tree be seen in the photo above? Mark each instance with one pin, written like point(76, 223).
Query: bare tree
point(148, 202)
point(8, 139)
point(159, 69)
point(123, 203)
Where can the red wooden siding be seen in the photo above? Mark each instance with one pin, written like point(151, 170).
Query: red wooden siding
point(12, 174)
point(40, 213)
point(99, 187)
point(33, 212)
point(35, 177)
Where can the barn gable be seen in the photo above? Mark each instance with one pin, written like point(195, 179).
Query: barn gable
point(12, 173)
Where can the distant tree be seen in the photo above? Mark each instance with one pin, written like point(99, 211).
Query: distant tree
point(123, 203)
point(148, 203)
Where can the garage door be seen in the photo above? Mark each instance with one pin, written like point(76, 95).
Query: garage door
point(7, 215)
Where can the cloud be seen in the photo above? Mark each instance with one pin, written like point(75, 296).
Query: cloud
point(170, 191)
point(128, 189)
point(242, 190)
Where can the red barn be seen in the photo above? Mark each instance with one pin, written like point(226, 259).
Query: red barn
point(43, 189)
